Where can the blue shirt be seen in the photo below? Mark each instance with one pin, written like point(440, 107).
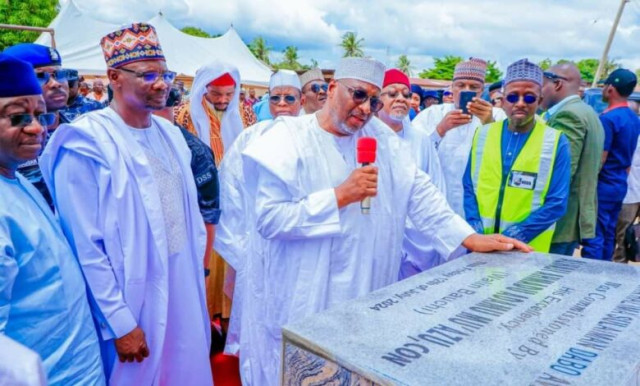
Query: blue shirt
point(43, 299)
point(261, 108)
point(621, 129)
point(79, 106)
point(555, 204)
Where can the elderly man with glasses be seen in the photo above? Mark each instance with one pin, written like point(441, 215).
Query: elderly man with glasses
point(317, 247)
point(43, 300)
point(517, 179)
point(314, 90)
point(122, 183)
point(566, 112)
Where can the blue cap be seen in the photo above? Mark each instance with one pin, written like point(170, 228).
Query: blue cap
point(623, 80)
point(17, 78)
point(415, 89)
point(36, 54)
point(430, 94)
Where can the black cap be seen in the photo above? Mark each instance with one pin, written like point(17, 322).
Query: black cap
point(622, 80)
point(495, 86)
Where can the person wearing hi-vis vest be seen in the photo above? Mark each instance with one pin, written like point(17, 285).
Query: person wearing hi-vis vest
point(517, 178)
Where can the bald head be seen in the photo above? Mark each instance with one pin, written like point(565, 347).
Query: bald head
point(560, 81)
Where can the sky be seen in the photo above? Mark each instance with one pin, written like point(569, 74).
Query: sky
point(494, 30)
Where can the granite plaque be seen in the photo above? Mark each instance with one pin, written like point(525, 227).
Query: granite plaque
point(484, 319)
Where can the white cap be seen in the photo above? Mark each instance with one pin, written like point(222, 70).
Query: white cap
point(364, 69)
point(284, 78)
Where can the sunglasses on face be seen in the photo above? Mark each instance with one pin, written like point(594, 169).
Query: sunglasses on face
point(59, 75)
point(23, 120)
point(447, 93)
point(551, 76)
point(394, 94)
point(360, 96)
point(152, 77)
point(528, 98)
point(315, 88)
point(288, 99)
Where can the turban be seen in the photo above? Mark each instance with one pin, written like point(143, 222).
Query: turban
point(284, 78)
point(395, 76)
point(366, 70)
point(135, 43)
point(36, 54)
point(224, 80)
point(17, 78)
point(472, 69)
point(523, 70)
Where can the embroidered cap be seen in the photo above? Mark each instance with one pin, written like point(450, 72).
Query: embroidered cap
point(134, 43)
point(284, 78)
point(472, 69)
point(525, 70)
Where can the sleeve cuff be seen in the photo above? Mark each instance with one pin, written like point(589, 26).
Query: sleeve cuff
point(118, 325)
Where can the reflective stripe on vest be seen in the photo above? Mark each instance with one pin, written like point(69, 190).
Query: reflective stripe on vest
point(535, 160)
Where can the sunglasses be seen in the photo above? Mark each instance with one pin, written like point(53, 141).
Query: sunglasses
point(152, 77)
point(59, 75)
point(317, 87)
point(394, 94)
point(360, 96)
point(24, 120)
point(528, 98)
point(550, 75)
point(447, 93)
point(288, 99)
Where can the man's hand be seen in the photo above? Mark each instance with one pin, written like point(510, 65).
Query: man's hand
point(481, 109)
point(363, 182)
point(454, 118)
point(491, 243)
point(132, 346)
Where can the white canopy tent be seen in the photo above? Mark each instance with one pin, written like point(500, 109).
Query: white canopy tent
point(78, 37)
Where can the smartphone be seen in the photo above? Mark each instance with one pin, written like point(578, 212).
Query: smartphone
point(466, 97)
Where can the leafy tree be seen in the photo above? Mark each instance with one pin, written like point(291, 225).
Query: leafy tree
point(404, 65)
point(260, 49)
point(314, 63)
point(195, 31)
point(352, 45)
point(545, 64)
point(33, 13)
point(442, 68)
point(493, 72)
point(588, 68)
point(290, 60)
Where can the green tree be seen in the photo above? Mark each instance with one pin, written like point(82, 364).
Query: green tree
point(588, 68)
point(442, 68)
point(545, 64)
point(314, 63)
point(493, 72)
point(33, 13)
point(352, 45)
point(290, 60)
point(404, 65)
point(260, 49)
point(195, 31)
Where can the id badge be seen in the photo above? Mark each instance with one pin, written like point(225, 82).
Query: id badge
point(523, 180)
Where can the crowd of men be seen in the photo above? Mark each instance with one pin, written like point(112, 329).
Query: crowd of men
point(127, 229)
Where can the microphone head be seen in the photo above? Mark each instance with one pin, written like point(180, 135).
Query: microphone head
point(367, 150)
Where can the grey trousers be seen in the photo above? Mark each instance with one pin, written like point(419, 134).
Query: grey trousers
point(628, 215)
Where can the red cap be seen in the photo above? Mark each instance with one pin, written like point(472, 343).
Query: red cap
point(367, 150)
point(394, 76)
point(225, 80)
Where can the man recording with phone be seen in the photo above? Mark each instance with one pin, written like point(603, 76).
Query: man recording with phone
point(452, 125)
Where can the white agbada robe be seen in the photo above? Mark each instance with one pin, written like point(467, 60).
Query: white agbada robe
point(453, 149)
point(112, 213)
point(20, 366)
point(238, 241)
point(316, 255)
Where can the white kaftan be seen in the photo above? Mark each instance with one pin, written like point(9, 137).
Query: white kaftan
point(110, 201)
point(315, 254)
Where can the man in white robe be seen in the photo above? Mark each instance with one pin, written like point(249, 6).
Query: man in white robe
point(319, 249)
point(43, 300)
point(452, 131)
point(122, 182)
point(235, 230)
point(418, 251)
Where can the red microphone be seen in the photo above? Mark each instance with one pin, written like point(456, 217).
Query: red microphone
point(366, 155)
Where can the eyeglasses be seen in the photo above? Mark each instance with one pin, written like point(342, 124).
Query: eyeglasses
point(23, 120)
point(152, 77)
point(315, 88)
point(289, 99)
point(59, 75)
point(360, 96)
point(528, 98)
point(555, 77)
point(394, 94)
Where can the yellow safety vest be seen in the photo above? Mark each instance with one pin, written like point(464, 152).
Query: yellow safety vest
point(527, 182)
